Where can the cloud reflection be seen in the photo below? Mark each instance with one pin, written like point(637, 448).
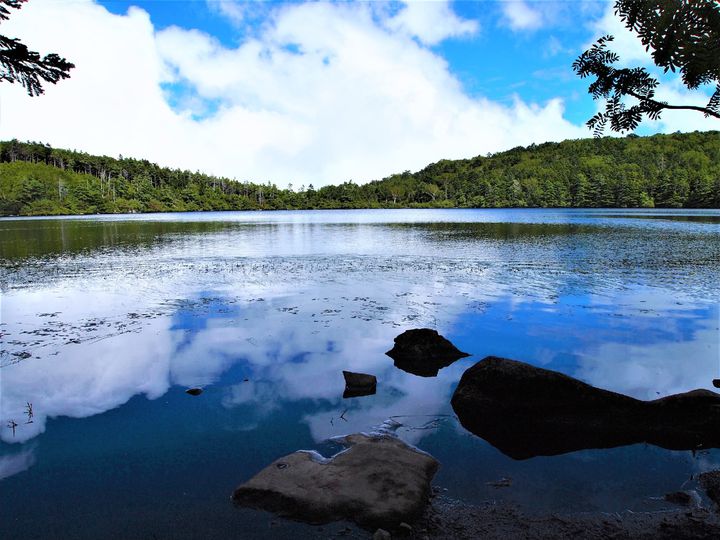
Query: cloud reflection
point(649, 371)
point(292, 347)
point(18, 462)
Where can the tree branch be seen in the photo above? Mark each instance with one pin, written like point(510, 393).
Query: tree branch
point(662, 105)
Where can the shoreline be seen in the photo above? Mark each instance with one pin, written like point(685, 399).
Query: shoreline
point(449, 518)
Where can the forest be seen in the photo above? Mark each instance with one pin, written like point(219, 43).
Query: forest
point(680, 170)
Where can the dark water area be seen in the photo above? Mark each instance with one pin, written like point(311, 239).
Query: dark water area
point(105, 321)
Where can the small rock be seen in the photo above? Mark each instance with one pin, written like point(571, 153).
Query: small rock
point(194, 391)
point(716, 383)
point(359, 384)
point(381, 534)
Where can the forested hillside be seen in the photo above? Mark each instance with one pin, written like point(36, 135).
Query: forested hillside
point(680, 170)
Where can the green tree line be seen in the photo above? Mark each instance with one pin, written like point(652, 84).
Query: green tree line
point(681, 170)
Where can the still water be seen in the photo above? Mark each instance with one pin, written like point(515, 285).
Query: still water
point(106, 320)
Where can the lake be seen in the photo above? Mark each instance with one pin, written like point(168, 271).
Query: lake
point(107, 320)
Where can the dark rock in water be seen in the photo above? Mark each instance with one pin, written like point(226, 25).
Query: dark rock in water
point(378, 481)
point(710, 482)
point(526, 411)
point(359, 380)
point(359, 384)
point(423, 352)
point(716, 383)
point(194, 391)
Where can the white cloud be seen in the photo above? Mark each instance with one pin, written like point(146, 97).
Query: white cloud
point(554, 47)
point(626, 43)
point(520, 16)
point(235, 11)
point(530, 15)
point(323, 93)
point(430, 21)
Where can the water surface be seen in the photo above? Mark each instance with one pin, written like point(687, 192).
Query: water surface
point(106, 320)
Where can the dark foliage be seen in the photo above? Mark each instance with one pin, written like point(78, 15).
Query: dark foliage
point(682, 35)
point(20, 64)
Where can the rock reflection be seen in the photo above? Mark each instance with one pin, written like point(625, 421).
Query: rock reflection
point(358, 392)
point(526, 411)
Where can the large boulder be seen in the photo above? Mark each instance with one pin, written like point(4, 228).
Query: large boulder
point(378, 481)
point(423, 352)
point(526, 411)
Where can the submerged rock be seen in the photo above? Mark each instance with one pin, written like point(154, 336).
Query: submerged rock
point(378, 481)
point(194, 391)
point(526, 411)
point(423, 352)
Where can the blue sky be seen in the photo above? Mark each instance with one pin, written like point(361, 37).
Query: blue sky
point(321, 92)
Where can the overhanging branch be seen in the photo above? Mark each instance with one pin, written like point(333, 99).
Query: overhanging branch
point(662, 105)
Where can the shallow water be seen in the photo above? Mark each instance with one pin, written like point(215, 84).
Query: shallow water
point(106, 320)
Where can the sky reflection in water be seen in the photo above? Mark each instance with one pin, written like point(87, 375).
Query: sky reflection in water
point(265, 311)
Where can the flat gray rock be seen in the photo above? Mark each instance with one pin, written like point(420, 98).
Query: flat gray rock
point(378, 481)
